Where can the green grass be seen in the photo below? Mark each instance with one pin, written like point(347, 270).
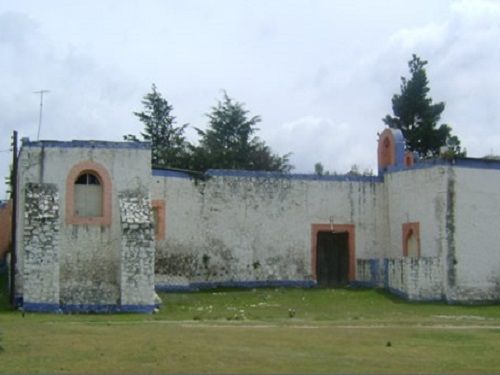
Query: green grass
point(337, 306)
point(252, 331)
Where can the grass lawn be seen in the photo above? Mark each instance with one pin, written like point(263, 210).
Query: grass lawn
point(259, 331)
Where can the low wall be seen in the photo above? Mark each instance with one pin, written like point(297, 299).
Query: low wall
point(416, 279)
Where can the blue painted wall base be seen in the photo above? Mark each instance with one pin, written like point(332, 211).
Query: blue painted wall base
point(235, 284)
point(86, 309)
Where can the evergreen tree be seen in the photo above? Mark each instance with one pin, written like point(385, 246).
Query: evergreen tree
point(417, 117)
point(319, 169)
point(229, 142)
point(168, 144)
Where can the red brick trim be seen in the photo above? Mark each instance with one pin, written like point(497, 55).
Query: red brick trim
point(408, 230)
point(386, 149)
point(345, 228)
point(159, 204)
point(409, 159)
point(104, 179)
point(5, 229)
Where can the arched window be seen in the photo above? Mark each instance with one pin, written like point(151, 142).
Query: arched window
point(88, 194)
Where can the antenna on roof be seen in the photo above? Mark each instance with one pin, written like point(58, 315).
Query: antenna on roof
point(41, 92)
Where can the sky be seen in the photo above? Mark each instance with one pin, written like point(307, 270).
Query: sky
point(320, 74)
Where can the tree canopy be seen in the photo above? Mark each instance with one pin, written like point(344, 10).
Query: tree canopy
point(417, 116)
point(229, 142)
point(169, 147)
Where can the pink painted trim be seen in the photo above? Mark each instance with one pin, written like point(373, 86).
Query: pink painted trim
point(409, 159)
point(105, 180)
point(5, 229)
point(159, 204)
point(346, 228)
point(386, 149)
point(408, 229)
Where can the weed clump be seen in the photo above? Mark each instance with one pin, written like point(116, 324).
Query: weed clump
point(240, 315)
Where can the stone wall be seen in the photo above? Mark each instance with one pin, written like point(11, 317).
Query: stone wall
point(137, 254)
point(41, 247)
point(416, 279)
point(244, 228)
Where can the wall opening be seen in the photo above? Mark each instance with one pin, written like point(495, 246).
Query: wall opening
point(88, 195)
point(411, 239)
point(158, 207)
point(333, 253)
point(409, 159)
point(332, 259)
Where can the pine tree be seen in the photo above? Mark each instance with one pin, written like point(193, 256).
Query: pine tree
point(168, 143)
point(230, 142)
point(417, 117)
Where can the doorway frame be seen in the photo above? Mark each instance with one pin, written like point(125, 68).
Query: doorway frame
point(337, 228)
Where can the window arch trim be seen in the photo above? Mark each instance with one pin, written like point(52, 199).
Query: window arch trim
point(409, 230)
point(105, 180)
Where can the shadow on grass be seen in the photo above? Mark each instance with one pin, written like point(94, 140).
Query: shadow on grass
point(391, 297)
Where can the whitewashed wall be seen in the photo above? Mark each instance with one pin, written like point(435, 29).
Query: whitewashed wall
point(417, 279)
point(254, 227)
point(476, 241)
point(417, 195)
point(242, 227)
point(89, 256)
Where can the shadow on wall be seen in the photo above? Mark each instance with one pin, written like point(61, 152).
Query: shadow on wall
point(5, 227)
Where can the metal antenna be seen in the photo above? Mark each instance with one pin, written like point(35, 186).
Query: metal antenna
point(41, 92)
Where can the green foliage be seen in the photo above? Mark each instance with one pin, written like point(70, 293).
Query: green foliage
point(355, 171)
point(319, 169)
point(168, 144)
point(417, 116)
point(491, 157)
point(9, 181)
point(229, 142)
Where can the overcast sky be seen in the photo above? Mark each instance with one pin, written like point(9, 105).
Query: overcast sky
point(321, 74)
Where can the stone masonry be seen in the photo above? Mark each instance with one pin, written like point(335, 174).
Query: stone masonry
point(41, 244)
point(138, 248)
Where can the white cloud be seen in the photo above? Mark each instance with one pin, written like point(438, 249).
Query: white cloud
point(351, 99)
point(321, 74)
point(463, 57)
point(314, 139)
point(85, 101)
